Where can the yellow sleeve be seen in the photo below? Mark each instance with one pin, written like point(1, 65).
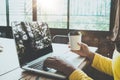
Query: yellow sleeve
point(79, 75)
point(103, 64)
point(116, 65)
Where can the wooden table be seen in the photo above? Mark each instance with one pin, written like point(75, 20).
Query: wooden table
point(19, 74)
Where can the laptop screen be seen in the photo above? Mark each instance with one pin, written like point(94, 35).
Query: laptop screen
point(33, 39)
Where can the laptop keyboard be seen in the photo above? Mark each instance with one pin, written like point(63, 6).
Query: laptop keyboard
point(38, 65)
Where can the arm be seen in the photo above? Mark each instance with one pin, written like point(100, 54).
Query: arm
point(67, 69)
point(79, 75)
point(98, 62)
point(103, 64)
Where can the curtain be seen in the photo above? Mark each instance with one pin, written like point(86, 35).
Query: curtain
point(116, 29)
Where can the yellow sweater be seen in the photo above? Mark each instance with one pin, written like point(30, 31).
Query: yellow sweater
point(106, 65)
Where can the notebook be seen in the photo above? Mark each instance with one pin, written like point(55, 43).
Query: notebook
point(33, 43)
point(7, 51)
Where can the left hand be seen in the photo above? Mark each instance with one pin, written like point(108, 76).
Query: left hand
point(84, 50)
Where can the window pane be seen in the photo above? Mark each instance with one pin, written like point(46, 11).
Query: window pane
point(20, 10)
point(54, 12)
point(90, 14)
point(2, 13)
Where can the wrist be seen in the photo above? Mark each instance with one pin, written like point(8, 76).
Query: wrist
point(69, 70)
point(91, 57)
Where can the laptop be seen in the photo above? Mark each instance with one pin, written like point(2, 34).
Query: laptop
point(34, 45)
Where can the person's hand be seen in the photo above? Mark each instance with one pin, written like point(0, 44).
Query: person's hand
point(59, 64)
point(84, 51)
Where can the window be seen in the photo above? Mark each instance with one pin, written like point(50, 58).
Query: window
point(90, 14)
point(20, 10)
point(54, 12)
point(75, 14)
point(2, 13)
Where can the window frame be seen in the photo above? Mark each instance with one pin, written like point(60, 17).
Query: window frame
point(56, 31)
point(34, 16)
point(68, 21)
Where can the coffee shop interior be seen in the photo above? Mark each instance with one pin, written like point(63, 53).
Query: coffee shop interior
point(97, 20)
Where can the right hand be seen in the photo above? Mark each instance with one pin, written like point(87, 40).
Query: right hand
point(59, 64)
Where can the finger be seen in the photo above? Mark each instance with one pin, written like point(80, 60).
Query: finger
point(75, 51)
point(81, 44)
point(48, 60)
point(49, 63)
point(51, 60)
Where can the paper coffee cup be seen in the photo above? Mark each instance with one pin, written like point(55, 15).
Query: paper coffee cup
point(74, 39)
